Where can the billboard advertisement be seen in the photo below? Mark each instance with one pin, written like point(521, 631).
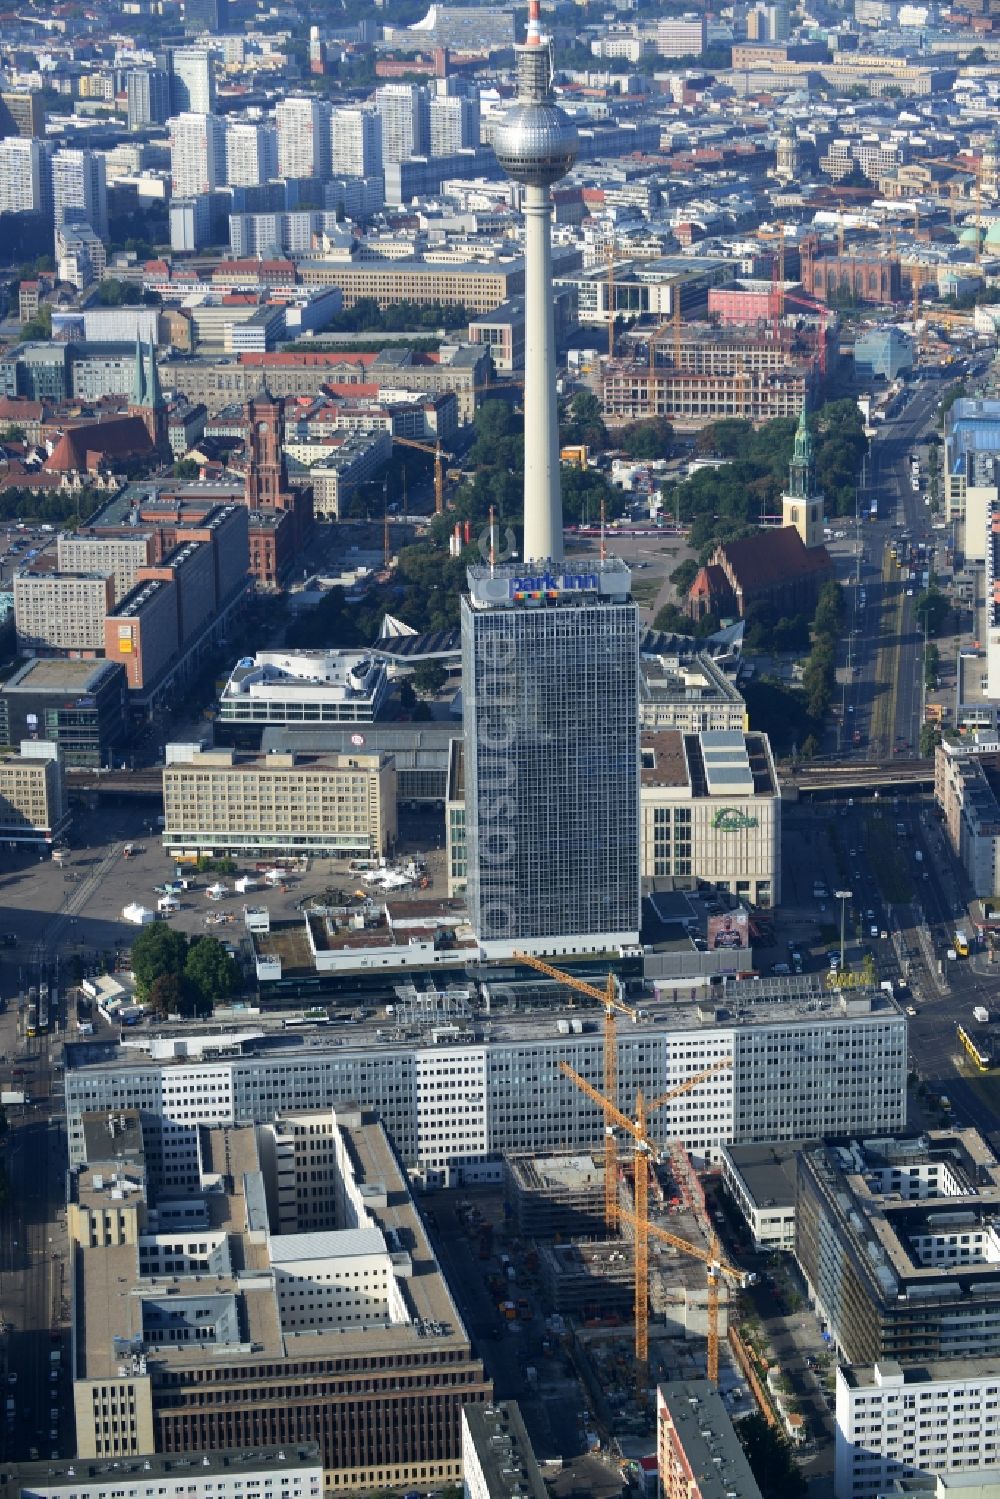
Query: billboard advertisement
point(728, 930)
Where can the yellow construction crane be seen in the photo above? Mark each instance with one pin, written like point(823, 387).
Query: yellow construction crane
point(642, 1149)
point(717, 1269)
point(779, 235)
point(613, 1005)
point(611, 256)
point(438, 452)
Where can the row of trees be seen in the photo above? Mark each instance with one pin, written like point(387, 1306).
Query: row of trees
point(367, 316)
point(52, 507)
point(819, 675)
point(178, 976)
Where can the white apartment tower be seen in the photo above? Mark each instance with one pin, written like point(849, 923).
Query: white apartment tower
point(897, 1424)
point(355, 141)
point(197, 154)
point(251, 154)
point(405, 120)
point(303, 137)
point(25, 176)
point(454, 124)
point(80, 190)
point(193, 84)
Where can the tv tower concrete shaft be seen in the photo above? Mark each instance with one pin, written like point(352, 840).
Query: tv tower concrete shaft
point(536, 144)
point(543, 527)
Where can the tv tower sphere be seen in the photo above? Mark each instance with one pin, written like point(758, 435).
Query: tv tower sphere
point(536, 143)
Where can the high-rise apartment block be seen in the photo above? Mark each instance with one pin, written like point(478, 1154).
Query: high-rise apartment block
point(681, 36)
point(80, 190)
point(22, 112)
point(81, 258)
point(119, 557)
point(454, 124)
point(192, 89)
point(56, 611)
point(148, 92)
point(497, 1457)
point(303, 125)
point(355, 141)
point(898, 1425)
point(197, 154)
point(405, 112)
point(251, 154)
point(550, 673)
point(25, 176)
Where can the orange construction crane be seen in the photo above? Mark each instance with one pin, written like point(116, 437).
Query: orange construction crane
point(777, 271)
point(438, 452)
point(613, 1006)
point(642, 1149)
point(716, 1268)
point(610, 256)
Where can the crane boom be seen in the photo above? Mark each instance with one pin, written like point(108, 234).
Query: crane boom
point(611, 1110)
point(688, 1084)
point(709, 1257)
point(612, 1003)
point(606, 996)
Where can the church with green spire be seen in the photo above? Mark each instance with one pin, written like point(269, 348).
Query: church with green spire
point(801, 505)
point(147, 396)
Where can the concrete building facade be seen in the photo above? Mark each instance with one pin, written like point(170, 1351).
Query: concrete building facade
point(61, 612)
point(216, 801)
point(33, 805)
point(899, 1424)
point(710, 806)
point(798, 1071)
point(896, 1242)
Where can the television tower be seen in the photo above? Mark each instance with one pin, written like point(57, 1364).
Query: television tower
point(536, 144)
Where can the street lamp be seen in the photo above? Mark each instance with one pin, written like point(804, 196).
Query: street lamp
point(843, 896)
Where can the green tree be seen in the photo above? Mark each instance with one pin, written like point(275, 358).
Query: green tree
point(648, 440)
point(684, 575)
point(40, 326)
point(186, 468)
point(770, 1458)
point(167, 995)
point(930, 738)
point(931, 610)
point(159, 949)
point(210, 972)
point(672, 620)
point(115, 293)
point(429, 677)
point(584, 422)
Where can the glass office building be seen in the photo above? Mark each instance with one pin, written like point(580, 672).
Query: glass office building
point(550, 702)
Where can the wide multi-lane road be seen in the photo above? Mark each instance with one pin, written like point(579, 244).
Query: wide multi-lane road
point(882, 699)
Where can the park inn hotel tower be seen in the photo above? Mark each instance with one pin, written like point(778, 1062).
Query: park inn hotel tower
point(549, 648)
